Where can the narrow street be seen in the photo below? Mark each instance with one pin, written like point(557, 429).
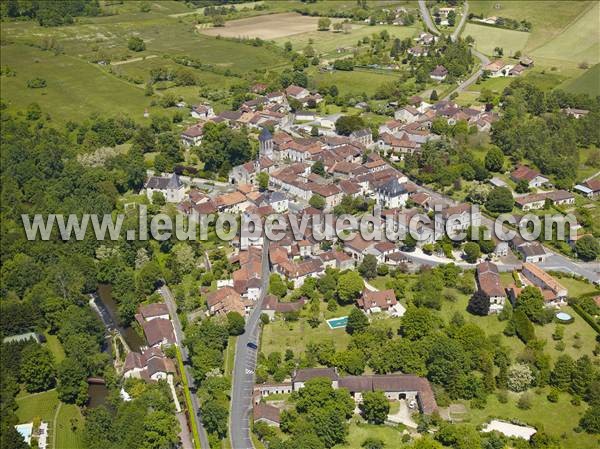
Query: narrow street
point(244, 366)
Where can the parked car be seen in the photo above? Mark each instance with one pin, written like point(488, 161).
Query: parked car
point(252, 345)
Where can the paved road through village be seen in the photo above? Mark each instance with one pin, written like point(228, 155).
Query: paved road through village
point(244, 366)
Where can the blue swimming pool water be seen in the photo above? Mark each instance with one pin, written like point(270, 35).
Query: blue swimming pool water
point(563, 316)
point(336, 323)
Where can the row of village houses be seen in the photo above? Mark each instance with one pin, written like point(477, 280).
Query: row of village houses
point(489, 283)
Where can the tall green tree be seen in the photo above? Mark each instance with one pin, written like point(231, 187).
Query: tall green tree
point(375, 407)
point(357, 322)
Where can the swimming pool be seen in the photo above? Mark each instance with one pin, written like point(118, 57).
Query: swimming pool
point(564, 317)
point(336, 323)
point(25, 430)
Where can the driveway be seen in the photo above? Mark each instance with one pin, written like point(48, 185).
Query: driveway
point(403, 415)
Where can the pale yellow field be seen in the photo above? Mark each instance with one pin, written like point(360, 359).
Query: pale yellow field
point(266, 27)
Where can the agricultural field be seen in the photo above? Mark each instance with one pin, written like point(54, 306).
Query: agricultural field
point(487, 38)
point(62, 57)
point(587, 83)
point(267, 27)
point(548, 18)
point(578, 42)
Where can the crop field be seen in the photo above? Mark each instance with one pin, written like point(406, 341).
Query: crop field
point(327, 42)
point(487, 38)
point(267, 27)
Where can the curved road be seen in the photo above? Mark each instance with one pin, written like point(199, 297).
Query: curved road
point(244, 366)
point(484, 60)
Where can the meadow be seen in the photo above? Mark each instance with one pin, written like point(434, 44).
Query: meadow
point(354, 82)
point(77, 87)
point(586, 83)
point(548, 18)
point(578, 42)
point(487, 38)
point(74, 90)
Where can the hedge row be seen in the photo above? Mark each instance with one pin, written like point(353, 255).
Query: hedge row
point(188, 401)
point(583, 314)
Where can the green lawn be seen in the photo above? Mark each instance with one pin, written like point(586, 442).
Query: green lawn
point(359, 432)
point(280, 335)
point(70, 424)
point(492, 326)
point(487, 38)
point(55, 347)
point(69, 421)
point(558, 419)
point(41, 405)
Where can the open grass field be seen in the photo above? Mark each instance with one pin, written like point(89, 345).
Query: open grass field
point(548, 18)
point(580, 41)
point(587, 83)
point(280, 335)
point(75, 88)
point(327, 42)
point(558, 419)
point(487, 38)
point(267, 27)
point(354, 82)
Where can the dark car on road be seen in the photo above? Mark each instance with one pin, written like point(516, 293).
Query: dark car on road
point(252, 345)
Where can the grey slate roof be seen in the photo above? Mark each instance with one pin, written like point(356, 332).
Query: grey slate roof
point(392, 188)
point(265, 135)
